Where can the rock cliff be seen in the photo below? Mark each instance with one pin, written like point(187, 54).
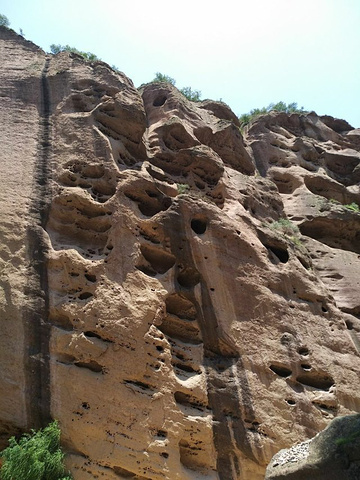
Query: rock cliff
point(183, 298)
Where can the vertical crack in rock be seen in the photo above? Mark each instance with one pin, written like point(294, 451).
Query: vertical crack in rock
point(228, 389)
point(36, 308)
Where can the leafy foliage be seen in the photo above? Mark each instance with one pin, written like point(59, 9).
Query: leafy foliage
point(287, 229)
point(160, 77)
point(4, 21)
point(183, 188)
point(353, 206)
point(66, 48)
point(35, 456)
point(247, 118)
point(188, 92)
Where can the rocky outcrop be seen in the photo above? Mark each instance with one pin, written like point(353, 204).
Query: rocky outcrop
point(183, 299)
point(332, 454)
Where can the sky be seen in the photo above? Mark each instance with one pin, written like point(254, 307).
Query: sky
point(246, 53)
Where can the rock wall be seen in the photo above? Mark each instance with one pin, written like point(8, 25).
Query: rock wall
point(183, 299)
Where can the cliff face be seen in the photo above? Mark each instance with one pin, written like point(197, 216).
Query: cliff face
point(152, 300)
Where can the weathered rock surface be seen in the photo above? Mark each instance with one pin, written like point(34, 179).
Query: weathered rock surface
point(332, 454)
point(151, 300)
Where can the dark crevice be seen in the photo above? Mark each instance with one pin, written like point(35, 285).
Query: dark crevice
point(91, 365)
point(220, 351)
point(36, 310)
point(316, 380)
point(281, 370)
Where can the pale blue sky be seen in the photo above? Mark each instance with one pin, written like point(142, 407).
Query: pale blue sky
point(248, 53)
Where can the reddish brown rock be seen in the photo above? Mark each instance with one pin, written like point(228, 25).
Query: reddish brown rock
point(158, 303)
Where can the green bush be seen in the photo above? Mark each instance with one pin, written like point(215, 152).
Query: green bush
point(4, 21)
point(66, 48)
point(35, 456)
point(353, 206)
point(188, 92)
point(288, 229)
point(247, 118)
point(160, 77)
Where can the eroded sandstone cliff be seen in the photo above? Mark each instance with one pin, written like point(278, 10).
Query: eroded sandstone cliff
point(153, 301)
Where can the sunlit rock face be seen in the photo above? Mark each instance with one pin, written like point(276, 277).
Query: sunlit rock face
point(182, 298)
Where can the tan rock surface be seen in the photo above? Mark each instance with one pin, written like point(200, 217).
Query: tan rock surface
point(183, 334)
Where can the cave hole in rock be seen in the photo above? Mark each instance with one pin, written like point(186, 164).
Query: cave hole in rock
point(281, 370)
point(188, 277)
point(303, 351)
point(188, 401)
point(179, 305)
point(150, 202)
point(123, 473)
point(92, 335)
point(161, 434)
point(316, 380)
point(159, 259)
point(92, 365)
point(65, 358)
point(164, 454)
point(139, 385)
point(291, 402)
point(181, 329)
point(328, 408)
point(199, 225)
point(85, 295)
point(185, 368)
point(306, 367)
point(159, 100)
point(349, 325)
point(147, 269)
point(280, 253)
point(91, 278)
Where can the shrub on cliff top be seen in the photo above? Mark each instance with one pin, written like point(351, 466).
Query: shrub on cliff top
point(4, 21)
point(188, 92)
point(247, 118)
point(66, 48)
point(35, 456)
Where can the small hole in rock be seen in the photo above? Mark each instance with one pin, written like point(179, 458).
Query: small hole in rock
point(85, 295)
point(159, 348)
point(281, 370)
point(290, 402)
point(306, 367)
point(159, 101)
point(303, 351)
point(164, 454)
point(91, 278)
point(349, 325)
point(85, 405)
point(198, 226)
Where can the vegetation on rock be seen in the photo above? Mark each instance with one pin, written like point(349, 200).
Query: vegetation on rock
point(35, 456)
point(188, 92)
point(4, 21)
point(247, 118)
point(353, 206)
point(66, 48)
